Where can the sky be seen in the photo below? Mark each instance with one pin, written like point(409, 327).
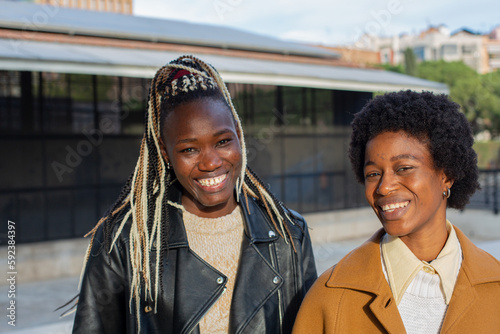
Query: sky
point(328, 22)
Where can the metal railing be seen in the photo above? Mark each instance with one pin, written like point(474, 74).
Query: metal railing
point(489, 195)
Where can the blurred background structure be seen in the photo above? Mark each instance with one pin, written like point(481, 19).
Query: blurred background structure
point(73, 91)
point(116, 6)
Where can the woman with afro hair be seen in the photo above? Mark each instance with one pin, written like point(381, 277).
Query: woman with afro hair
point(419, 273)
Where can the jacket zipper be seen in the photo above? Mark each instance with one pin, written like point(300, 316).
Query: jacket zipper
point(280, 311)
point(204, 313)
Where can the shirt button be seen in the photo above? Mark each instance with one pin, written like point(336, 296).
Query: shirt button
point(429, 270)
point(276, 280)
point(271, 234)
point(220, 280)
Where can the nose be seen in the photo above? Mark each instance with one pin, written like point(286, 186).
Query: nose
point(210, 161)
point(386, 185)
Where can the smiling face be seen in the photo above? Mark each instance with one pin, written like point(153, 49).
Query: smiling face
point(404, 188)
point(203, 147)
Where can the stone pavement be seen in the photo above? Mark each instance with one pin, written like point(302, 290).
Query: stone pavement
point(333, 235)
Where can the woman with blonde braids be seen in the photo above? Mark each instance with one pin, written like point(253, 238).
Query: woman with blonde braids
point(195, 243)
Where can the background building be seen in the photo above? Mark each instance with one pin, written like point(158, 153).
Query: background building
point(116, 6)
point(480, 52)
point(493, 49)
point(73, 91)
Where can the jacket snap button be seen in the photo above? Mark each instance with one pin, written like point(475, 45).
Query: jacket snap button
point(271, 234)
point(148, 309)
point(220, 280)
point(276, 280)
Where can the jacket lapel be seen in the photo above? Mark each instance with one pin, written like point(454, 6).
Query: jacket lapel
point(472, 273)
point(188, 280)
point(366, 261)
point(256, 268)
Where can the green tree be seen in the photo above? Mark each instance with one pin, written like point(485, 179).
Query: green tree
point(478, 95)
point(478, 102)
point(411, 67)
point(392, 68)
point(446, 72)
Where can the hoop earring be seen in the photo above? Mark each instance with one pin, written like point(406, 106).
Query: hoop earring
point(447, 193)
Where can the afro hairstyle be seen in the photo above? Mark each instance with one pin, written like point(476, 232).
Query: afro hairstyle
point(432, 119)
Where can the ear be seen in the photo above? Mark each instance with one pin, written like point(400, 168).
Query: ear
point(238, 132)
point(163, 150)
point(447, 181)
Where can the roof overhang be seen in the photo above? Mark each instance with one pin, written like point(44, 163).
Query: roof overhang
point(25, 55)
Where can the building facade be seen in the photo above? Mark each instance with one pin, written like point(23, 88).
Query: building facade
point(73, 93)
point(115, 6)
point(480, 52)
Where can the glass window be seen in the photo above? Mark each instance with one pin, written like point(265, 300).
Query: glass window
point(468, 49)
point(134, 104)
point(109, 104)
point(449, 49)
point(293, 107)
point(419, 52)
point(53, 101)
point(82, 102)
point(10, 102)
point(322, 107)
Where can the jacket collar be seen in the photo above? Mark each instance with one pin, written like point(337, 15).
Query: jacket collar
point(256, 223)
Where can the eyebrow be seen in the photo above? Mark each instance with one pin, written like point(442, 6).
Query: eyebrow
point(404, 156)
point(397, 157)
point(191, 140)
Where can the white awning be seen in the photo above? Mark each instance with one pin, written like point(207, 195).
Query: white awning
point(24, 55)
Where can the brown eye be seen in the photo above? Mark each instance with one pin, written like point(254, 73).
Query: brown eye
point(371, 175)
point(404, 169)
point(223, 141)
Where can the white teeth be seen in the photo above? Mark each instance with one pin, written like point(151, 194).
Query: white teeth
point(393, 206)
point(212, 181)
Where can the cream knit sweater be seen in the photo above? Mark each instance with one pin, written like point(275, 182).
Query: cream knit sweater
point(218, 242)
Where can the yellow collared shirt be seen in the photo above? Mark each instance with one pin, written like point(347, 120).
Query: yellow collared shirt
point(401, 265)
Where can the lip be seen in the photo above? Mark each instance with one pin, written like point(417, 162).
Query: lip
point(215, 187)
point(397, 208)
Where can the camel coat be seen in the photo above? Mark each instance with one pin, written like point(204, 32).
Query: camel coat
point(354, 296)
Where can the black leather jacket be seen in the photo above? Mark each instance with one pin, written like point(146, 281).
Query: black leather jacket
point(271, 282)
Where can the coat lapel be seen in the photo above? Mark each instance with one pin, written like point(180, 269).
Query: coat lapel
point(366, 261)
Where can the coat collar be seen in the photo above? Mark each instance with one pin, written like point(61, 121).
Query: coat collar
point(256, 223)
point(361, 270)
point(478, 267)
point(366, 259)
